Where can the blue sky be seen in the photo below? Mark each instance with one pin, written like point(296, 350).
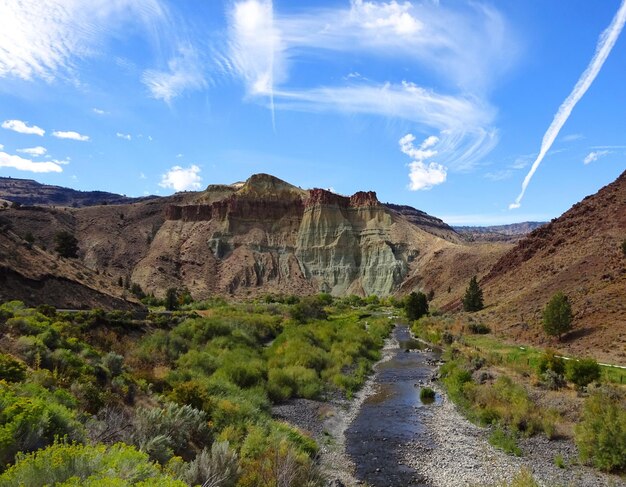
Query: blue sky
point(441, 105)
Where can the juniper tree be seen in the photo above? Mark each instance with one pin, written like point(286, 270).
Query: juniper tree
point(557, 315)
point(473, 298)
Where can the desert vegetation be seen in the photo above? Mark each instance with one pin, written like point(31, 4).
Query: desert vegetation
point(175, 399)
point(523, 391)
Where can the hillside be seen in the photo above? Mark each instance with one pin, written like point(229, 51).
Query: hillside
point(261, 236)
point(497, 233)
point(34, 276)
point(29, 192)
point(580, 254)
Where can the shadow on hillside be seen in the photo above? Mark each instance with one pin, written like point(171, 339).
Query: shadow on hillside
point(576, 334)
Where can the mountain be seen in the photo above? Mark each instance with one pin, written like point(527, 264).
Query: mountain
point(578, 253)
point(497, 233)
point(29, 192)
point(261, 236)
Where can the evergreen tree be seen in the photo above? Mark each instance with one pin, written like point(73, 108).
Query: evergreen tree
point(66, 245)
point(557, 315)
point(473, 299)
point(416, 306)
point(171, 299)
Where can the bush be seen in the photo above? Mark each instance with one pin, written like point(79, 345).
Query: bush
point(32, 419)
point(416, 306)
point(557, 316)
point(583, 372)
point(551, 361)
point(601, 435)
point(217, 467)
point(66, 245)
point(505, 440)
point(427, 395)
point(89, 466)
point(308, 309)
point(473, 298)
point(11, 369)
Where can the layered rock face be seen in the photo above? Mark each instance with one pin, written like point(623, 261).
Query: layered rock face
point(269, 235)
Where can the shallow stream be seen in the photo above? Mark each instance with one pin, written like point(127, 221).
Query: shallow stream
point(391, 417)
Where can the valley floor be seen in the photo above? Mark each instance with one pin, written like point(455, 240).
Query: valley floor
point(450, 451)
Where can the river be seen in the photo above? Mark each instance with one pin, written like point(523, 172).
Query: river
point(389, 419)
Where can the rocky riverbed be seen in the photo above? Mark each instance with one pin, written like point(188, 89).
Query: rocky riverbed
point(386, 437)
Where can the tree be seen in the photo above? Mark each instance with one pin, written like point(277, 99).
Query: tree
point(473, 299)
point(171, 299)
point(557, 316)
point(416, 306)
point(66, 245)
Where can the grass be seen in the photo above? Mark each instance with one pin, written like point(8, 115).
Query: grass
point(505, 440)
point(526, 358)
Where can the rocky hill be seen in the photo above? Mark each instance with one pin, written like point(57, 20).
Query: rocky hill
point(579, 254)
point(29, 192)
point(497, 233)
point(261, 236)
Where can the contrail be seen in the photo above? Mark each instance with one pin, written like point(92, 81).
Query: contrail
point(605, 44)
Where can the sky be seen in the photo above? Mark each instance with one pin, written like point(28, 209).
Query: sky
point(478, 112)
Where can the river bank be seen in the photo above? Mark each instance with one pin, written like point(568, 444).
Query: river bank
point(386, 437)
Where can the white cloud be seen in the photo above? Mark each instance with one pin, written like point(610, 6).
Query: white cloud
point(469, 46)
point(22, 127)
point(595, 155)
point(34, 151)
point(42, 39)
point(17, 162)
point(572, 137)
point(99, 111)
point(178, 156)
point(182, 179)
point(183, 74)
point(70, 135)
point(124, 136)
point(603, 49)
point(142, 176)
point(423, 175)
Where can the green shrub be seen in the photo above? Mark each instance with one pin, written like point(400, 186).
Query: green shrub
point(557, 315)
point(11, 369)
point(427, 395)
point(31, 418)
point(601, 434)
point(505, 440)
point(583, 372)
point(308, 309)
point(71, 465)
point(551, 361)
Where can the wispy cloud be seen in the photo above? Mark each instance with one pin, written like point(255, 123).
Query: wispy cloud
point(595, 155)
point(183, 74)
point(423, 174)
point(468, 46)
point(42, 39)
point(22, 127)
point(124, 136)
point(34, 151)
point(572, 137)
point(182, 179)
point(98, 111)
point(21, 164)
point(60, 134)
point(605, 45)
